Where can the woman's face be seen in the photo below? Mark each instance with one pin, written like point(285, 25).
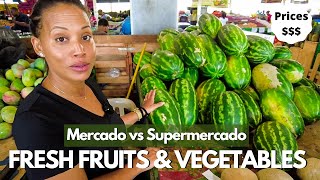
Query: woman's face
point(67, 43)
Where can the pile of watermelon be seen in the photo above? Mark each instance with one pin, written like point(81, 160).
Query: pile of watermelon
point(214, 74)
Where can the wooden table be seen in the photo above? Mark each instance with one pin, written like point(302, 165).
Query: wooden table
point(7, 145)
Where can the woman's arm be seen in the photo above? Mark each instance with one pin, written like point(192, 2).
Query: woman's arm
point(148, 105)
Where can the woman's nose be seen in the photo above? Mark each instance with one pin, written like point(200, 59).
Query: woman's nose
point(78, 49)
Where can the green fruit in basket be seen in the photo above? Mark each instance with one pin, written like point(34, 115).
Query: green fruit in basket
point(3, 89)
point(17, 85)
point(191, 28)
point(151, 83)
point(260, 50)
point(1, 106)
point(17, 70)
point(24, 63)
point(232, 40)
point(308, 102)
point(32, 65)
point(5, 130)
point(191, 74)
point(146, 58)
point(252, 93)
point(40, 64)
point(196, 32)
point(276, 106)
point(26, 91)
point(272, 135)
point(9, 75)
point(11, 98)
point(146, 71)
point(306, 82)
point(206, 93)
point(184, 93)
point(8, 113)
point(253, 112)
point(216, 60)
point(209, 24)
point(37, 73)
point(4, 82)
point(266, 76)
point(292, 69)
point(38, 81)
point(282, 52)
point(29, 77)
point(167, 116)
point(167, 31)
point(238, 73)
point(166, 65)
point(169, 42)
point(191, 52)
point(228, 111)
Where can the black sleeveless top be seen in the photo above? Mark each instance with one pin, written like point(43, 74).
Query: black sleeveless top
point(39, 125)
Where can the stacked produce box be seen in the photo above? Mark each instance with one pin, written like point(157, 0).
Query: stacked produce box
point(15, 84)
point(215, 74)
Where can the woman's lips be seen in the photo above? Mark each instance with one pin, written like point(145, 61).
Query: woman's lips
point(81, 67)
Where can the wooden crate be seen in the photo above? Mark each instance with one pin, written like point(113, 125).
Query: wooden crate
point(116, 52)
point(305, 56)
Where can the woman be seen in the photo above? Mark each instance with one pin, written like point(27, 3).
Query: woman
point(66, 96)
point(223, 18)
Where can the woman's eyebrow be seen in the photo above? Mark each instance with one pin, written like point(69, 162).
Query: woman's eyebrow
point(59, 27)
point(87, 26)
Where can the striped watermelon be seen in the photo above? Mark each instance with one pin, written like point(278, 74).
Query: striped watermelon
point(145, 59)
point(166, 65)
point(183, 91)
point(146, 71)
point(196, 32)
point(260, 50)
point(191, 28)
point(209, 24)
point(292, 69)
point(206, 92)
point(169, 42)
point(252, 93)
point(265, 76)
point(238, 73)
point(216, 60)
point(191, 52)
point(227, 111)
point(167, 116)
point(232, 40)
point(272, 135)
point(191, 74)
point(282, 52)
point(308, 102)
point(305, 82)
point(276, 106)
point(252, 108)
point(167, 31)
point(151, 83)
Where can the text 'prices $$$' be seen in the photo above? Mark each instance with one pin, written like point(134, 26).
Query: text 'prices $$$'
point(291, 25)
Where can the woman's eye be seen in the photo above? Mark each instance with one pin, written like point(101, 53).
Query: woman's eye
point(86, 38)
point(61, 39)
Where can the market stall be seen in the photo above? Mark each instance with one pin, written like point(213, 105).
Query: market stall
point(208, 74)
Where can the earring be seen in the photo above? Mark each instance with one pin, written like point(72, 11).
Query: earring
point(41, 54)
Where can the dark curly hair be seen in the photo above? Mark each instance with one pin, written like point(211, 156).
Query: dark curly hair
point(41, 5)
